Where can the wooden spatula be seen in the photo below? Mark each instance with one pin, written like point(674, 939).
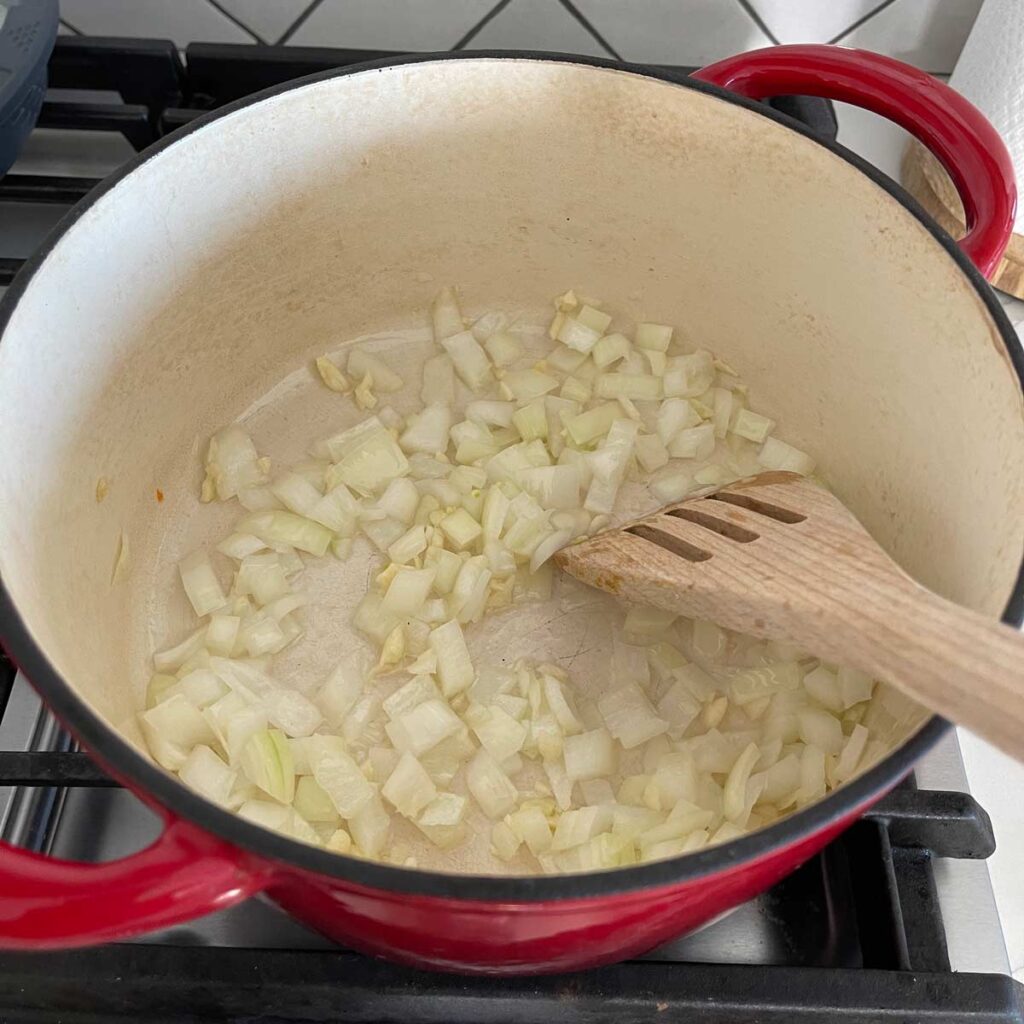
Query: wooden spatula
point(779, 557)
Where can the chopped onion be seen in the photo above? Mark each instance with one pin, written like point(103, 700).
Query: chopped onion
point(629, 716)
point(610, 349)
point(820, 729)
point(678, 706)
point(292, 713)
point(854, 686)
point(688, 376)
point(734, 795)
point(409, 788)
point(288, 528)
point(367, 458)
point(504, 842)
point(205, 772)
point(341, 779)
point(441, 821)
point(576, 334)
point(266, 761)
point(438, 381)
point(531, 420)
point(370, 826)
point(263, 577)
point(671, 485)
point(313, 804)
point(499, 733)
point(238, 545)
point(650, 452)
point(461, 528)
point(653, 336)
point(468, 515)
point(340, 690)
point(608, 465)
point(201, 585)
point(470, 360)
point(445, 315)
point(361, 364)
point(753, 426)
point(593, 424)
point(823, 686)
point(428, 431)
point(776, 454)
point(756, 683)
point(232, 464)
point(408, 590)
point(504, 348)
point(528, 385)
point(201, 687)
point(629, 385)
point(296, 493)
point(332, 376)
point(423, 726)
point(853, 750)
point(455, 669)
point(693, 442)
point(553, 486)
point(590, 755)
point(490, 787)
point(491, 413)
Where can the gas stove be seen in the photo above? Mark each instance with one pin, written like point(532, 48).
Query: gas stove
point(895, 920)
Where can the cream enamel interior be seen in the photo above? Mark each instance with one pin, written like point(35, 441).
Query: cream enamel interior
point(199, 288)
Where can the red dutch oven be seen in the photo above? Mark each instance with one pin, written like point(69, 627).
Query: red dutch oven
point(220, 259)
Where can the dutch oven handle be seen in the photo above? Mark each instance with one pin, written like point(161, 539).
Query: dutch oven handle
point(955, 131)
point(47, 903)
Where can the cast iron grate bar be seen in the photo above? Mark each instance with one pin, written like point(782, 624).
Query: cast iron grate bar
point(50, 768)
point(132, 982)
point(9, 266)
point(132, 120)
point(142, 71)
point(923, 930)
point(44, 188)
point(221, 72)
point(7, 674)
point(948, 824)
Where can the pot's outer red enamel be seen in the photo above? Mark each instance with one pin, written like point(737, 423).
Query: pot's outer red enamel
point(531, 938)
point(208, 859)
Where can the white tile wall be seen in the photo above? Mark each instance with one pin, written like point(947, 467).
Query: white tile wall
point(268, 19)
point(184, 21)
point(674, 32)
point(811, 21)
point(928, 33)
point(536, 25)
point(390, 24)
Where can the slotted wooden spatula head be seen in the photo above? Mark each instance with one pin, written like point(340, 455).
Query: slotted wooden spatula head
point(755, 556)
point(780, 557)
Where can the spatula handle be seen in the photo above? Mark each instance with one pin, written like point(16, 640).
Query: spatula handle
point(968, 668)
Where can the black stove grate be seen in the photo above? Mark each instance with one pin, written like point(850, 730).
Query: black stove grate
point(858, 929)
